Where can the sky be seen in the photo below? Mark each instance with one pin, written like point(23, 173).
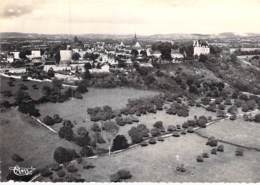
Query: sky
point(144, 17)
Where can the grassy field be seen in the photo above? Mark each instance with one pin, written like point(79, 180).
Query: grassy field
point(76, 109)
point(237, 131)
point(157, 163)
point(34, 93)
point(32, 142)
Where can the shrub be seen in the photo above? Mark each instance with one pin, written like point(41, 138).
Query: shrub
point(199, 159)
point(158, 124)
point(48, 120)
point(88, 165)
point(67, 123)
point(190, 130)
point(239, 152)
point(152, 141)
point(212, 141)
point(181, 168)
point(61, 173)
point(221, 114)
point(257, 118)
point(160, 139)
point(214, 151)
point(95, 127)
point(45, 172)
point(175, 134)
point(155, 132)
point(171, 128)
point(119, 143)
point(72, 168)
point(137, 133)
point(202, 121)
point(120, 175)
point(205, 155)
point(62, 155)
point(124, 174)
point(115, 177)
point(232, 109)
point(66, 133)
point(183, 132)
point(86, 151)
point(144, 143)
point(55, 167)
point(57, 118)
point(221, 107)
point(220, 148)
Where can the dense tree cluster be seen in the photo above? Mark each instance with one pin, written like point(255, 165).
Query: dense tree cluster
point(138, 133)
point(101, 113)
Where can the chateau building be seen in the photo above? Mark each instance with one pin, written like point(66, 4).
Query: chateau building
point(200, 48)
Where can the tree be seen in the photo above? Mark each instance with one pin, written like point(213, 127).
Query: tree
point(48, 120)
point(134, 53)
point(62, 155)
point(119, 143)
point(66, 133)
point(110, 130)
point(51, 73)
point(257, 118)
point(57, 57)
point(82, 138)
point(75, 56)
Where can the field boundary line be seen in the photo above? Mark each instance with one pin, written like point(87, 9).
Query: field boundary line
point(44, 125)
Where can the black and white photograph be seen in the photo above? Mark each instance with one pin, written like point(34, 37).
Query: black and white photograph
point(130, 91)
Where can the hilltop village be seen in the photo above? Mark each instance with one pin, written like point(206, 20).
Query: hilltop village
point(131, 108)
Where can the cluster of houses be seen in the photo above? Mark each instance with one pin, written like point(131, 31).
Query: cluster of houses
point(109, 55)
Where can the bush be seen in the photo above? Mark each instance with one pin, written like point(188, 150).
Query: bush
point(72, 168)
point(257, 118)
point(115, 177)
point(212, 141)
point(239, 152)
point(220, 148)
point(55, 167)
point(57, 118)
point(190, 130)
point(86, 151)
point(138, 133)
point(175, 134)
point(202, 121)
point(63, 155)
point(152, 141)
point(155, 132)
point(96, 128)
point(45, 172)
point(88, 165)
point(158, 124)
point(119, 143)
point(120, 175)
point(124, 174)
point(61, 173)
point(144, 143)
point(205, 155)
point(214, 151)
point(66, 133)
point(199, 159)
point(183, 132)
point(171, 128)
point(160, 139)
point(48, 120)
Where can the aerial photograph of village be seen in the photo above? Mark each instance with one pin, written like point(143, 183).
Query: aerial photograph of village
point(130, 91)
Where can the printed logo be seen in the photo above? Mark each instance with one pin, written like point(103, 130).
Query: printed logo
point(21, 171)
